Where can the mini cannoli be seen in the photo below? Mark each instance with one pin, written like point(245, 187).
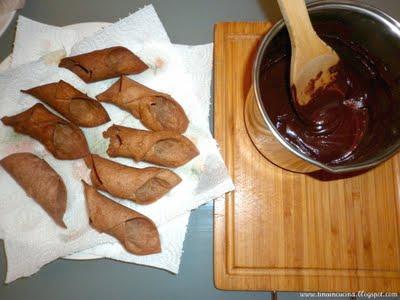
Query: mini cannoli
point(164, 148)
point(61, 138)
point(157, 111)
point(103, 64)
point(40, 182)
point(143, 186)
point(136, 232)
point(74, 105)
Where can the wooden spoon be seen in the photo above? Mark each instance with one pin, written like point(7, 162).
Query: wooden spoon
point(312, 59)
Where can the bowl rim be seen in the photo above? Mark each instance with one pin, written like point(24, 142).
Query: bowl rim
point(357, 6)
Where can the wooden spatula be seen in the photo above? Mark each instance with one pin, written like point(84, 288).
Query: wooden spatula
point(312, 59)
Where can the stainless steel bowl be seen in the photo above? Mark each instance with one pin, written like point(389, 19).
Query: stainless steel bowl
point(372, 29)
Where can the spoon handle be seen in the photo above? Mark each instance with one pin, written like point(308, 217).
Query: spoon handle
point(298, 22)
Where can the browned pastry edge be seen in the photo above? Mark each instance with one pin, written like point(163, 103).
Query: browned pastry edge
point(157, 111)
point(40, 182)
point(104, 64)
point(136, 232)
point(61, 138)
point(164, 148)
point(74, 105)
point(143, 186)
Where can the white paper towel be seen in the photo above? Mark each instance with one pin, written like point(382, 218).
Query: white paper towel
point(33, 40)
point(171, 239)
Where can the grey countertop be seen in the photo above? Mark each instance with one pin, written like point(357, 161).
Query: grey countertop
point(187, 22)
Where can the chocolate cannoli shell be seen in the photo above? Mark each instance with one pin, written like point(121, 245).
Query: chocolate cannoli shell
point(164, 148)
point(136, 232)
point(143, 186)
point(61, 138)
point(40, 182)
point(74, 105)
point(157, 111)
point(104, 64)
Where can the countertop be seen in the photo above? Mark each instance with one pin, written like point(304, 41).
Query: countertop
point(187, 22)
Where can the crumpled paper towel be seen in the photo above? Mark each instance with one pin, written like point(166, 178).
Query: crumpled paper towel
point(33, 40)
point(79, 236)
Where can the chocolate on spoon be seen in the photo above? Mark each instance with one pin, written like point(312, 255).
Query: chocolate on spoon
point(314, 65)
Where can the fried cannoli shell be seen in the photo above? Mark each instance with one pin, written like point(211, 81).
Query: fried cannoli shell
point(136, 232)
point(143, 186)
point(40, 182)
point(157, 111)
point(61, 138)
point(104, 64)
point(164, 148)
point(74, 105)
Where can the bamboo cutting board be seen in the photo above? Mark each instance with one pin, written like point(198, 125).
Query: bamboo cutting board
point(281, 231)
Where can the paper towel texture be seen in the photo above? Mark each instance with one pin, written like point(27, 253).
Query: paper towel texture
point(33, 40)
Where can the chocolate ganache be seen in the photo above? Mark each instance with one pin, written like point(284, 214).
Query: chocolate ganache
point(349, 119)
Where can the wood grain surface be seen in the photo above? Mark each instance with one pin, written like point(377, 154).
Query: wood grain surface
point(283, 231)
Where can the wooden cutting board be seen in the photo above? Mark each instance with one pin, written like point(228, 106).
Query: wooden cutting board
point(281, 231)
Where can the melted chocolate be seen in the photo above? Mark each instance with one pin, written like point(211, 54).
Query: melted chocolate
point(345, 122)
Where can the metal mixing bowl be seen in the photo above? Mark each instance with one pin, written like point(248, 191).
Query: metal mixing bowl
point(371, 28)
